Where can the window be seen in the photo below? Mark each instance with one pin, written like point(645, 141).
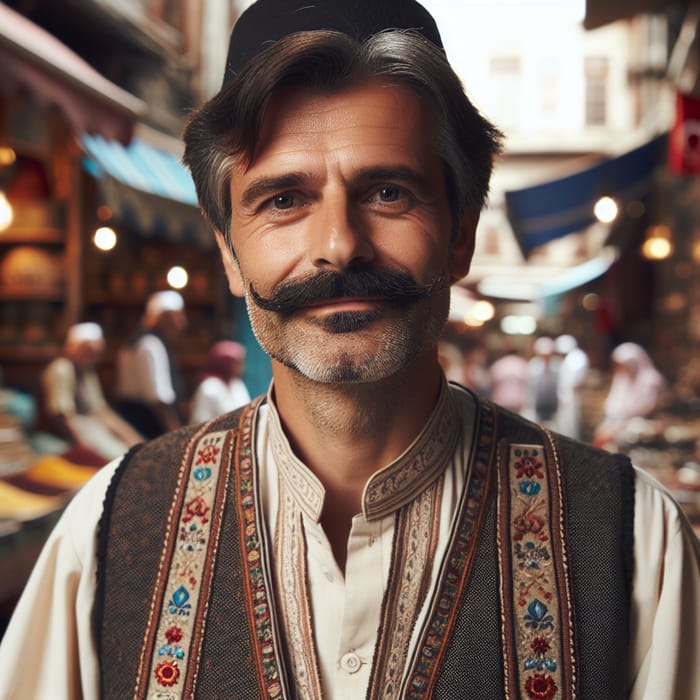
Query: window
point(505, 94)
point(596, 77)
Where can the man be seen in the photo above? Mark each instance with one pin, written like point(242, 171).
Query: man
point(572, 374)
point(149, 384)
point(221, 388)
point(367, 530)
point(72, 403)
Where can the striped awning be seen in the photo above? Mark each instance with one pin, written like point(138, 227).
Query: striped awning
point(147, 188)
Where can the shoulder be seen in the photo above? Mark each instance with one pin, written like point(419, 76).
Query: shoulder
point(211, 386)
point(658, 516)
point(150, 341)
point(60, 367)
point(79, 522)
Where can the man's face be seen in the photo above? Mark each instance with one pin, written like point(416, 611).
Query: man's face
point(342, 228)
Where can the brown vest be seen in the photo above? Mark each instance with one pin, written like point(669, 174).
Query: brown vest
point(532, 601)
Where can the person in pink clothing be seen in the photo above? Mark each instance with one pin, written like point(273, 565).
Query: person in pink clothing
point(635, 391)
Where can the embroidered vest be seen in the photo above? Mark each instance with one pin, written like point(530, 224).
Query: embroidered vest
point(532, 600)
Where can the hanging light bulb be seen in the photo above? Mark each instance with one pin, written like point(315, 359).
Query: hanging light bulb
point(6, 213)
point(177, 277)
point(657, 244)
point(105, 238)
point(605, 210)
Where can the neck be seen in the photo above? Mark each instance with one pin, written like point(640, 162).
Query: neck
point(344, 433)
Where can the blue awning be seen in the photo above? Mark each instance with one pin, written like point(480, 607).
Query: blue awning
point(147, 188)
point(555, 209)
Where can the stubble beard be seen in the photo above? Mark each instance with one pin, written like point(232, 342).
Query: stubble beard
point(350, 347)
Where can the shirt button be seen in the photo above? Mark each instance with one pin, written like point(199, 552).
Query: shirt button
point(350, 662)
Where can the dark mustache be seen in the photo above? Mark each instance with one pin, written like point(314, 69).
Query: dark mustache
point(394, 285)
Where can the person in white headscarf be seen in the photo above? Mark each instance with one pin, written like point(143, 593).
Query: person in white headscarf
point(635, 390)
point(572, 373)
point(73, 405)
point(149, 385)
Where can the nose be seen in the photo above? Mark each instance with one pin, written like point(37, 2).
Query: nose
point(340, 238)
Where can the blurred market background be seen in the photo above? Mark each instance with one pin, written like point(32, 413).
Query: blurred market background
point(592, 228)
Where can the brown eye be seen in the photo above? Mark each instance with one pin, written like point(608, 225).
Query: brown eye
point(283, 201)
point(389, 194)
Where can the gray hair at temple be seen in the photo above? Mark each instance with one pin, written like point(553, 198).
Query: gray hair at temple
point(225, 131)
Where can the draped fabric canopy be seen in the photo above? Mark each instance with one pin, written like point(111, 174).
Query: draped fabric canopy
point(35, 62)
point(545, 212)
point(148, 188)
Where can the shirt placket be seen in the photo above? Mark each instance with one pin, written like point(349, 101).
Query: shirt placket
point(354, 602)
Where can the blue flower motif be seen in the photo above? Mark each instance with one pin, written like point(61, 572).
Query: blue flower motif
point(536, 616)
point(529, 488)
point(178, 603)
point(202, 473)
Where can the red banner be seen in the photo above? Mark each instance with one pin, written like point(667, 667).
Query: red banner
point(684, 142)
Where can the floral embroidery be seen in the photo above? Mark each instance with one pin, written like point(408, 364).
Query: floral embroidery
point(539, 661)
point(530, 522)
point(537, 625)
point(540, 687)
point(178, 604)
point(537, 617)
point(167, 673)
point(196, 508)
point(186, 568)
point(173, 634)
point(207, 454)
point(529, 465)
point(529, 488)
point(202, 473)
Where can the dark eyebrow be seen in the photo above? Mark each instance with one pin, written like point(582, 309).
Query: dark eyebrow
point(393, 173)
point(264, 187)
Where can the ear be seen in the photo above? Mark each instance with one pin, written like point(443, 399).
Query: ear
point(231, 267)
point(462, 248)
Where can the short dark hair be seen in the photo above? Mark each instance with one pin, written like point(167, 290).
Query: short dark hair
point(226, 129)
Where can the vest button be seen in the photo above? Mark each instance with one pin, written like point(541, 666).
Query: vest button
point(350, 662)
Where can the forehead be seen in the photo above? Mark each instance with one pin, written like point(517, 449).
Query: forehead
point(369, 120)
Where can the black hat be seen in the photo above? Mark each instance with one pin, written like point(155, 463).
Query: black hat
point(266, 21)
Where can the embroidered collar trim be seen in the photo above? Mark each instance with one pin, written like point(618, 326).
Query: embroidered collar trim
point(392, 486)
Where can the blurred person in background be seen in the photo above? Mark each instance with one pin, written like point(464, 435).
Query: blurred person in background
point(573, 368)
point(72, 404)
point(543, 377)
point(450, 359)
point(508, 377)
point(221, 388)
point(636, 391)
point(366, 529)
point(475, 370)
point(149, 385)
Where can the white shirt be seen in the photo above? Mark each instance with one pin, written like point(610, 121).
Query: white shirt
point(214, 397)
point(49, 648)
point(143, 372)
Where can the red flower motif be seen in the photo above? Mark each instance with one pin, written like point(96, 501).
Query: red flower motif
point(196, 508)
point(173, 634)
point(207, 455)
point(529, 523)
point(529, 467)
point(540, 687)
point(539, 645)
point(167, 673)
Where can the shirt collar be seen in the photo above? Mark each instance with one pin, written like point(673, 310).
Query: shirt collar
point(391, 487)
